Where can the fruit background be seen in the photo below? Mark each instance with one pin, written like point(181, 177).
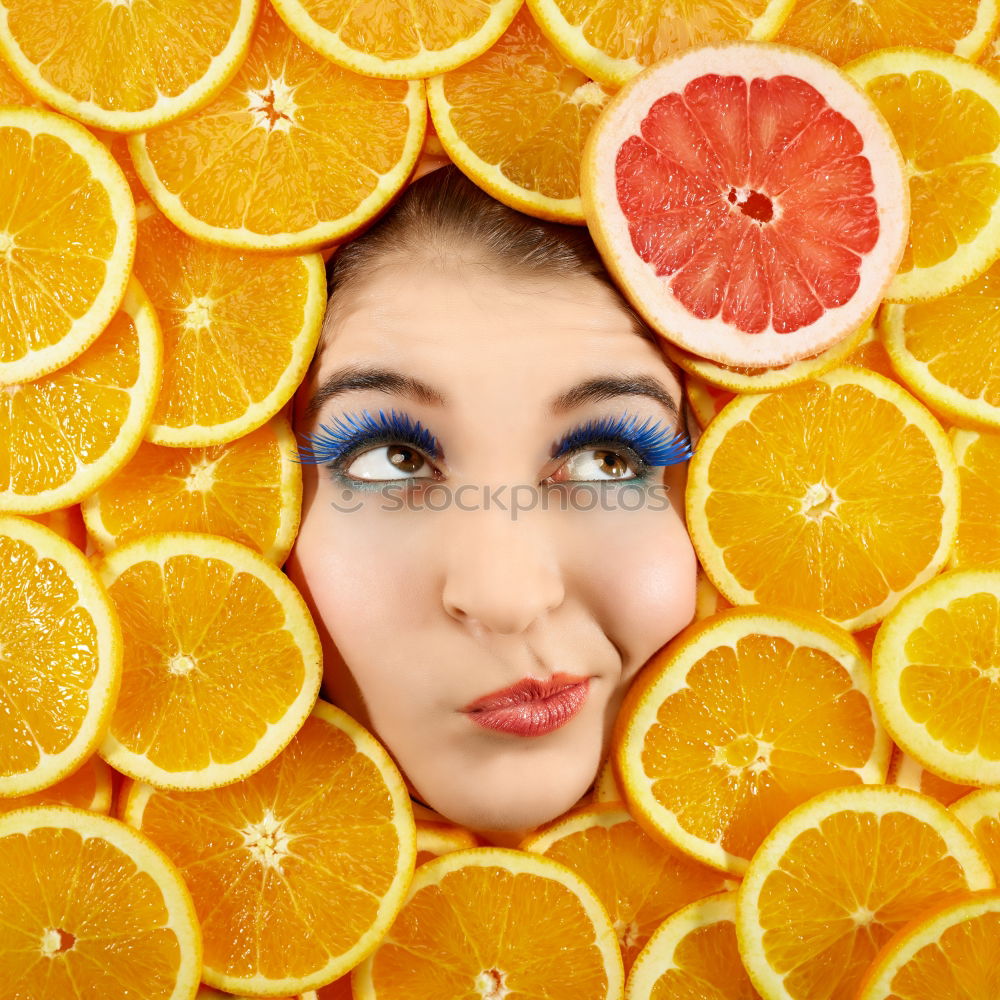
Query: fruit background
point(803, 798)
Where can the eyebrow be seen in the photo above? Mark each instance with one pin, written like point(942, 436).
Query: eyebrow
point(591, 390)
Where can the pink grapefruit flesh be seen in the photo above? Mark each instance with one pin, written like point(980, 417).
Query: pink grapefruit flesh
point(749, 199)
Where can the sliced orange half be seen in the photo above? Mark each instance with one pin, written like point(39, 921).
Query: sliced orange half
point(606, 785)
point(908, 773)
point(836, 495)
point(92, 908)
point(492, 921)
point(979, 811)
point(249, 490)
point(74, 428)
point(242, 171)
point(88, 787)
point(60, 658)
point(298, 871)
point(398, 38)
point(838, 876)
point(738, 720)
point(435, 839)
point(936, 665)
point(978, 539)
point(515, 120)
point(67, 241)
point(221, 664)
point(706, 400)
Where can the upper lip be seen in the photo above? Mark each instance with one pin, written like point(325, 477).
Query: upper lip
point(526, 690)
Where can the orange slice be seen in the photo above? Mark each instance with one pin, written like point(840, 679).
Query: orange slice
point(60, 658)
point(398, 38)
point(67, 522)
point(249, 490)
point(936, 676)
point(989, 58)
point(92, 908)
point(222, 662)
point(908, 773)
point(841, 32)
point(67, 241)
point(978, 539)
point(515, 121)
point(706, 400)
point(74, 428)
point(239, 331)
point(949, 952)
point(838, 876)
point(606, 786)
point(693, 954)
point(241, 172)
point(13, 93)
point(945, 114)
point(739, 719)
point(707, 599)
point(612, 42)
point(117, 146)
point(435, 839)
point(88, 787)
point(126, 69)
point(489, 921)
point(836, 495)
point(870, 353)
point(639, 882)
point(298, 871)
point(979, 811)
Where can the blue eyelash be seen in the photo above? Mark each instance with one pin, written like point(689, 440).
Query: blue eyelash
point(329, 444)
point(655, 445)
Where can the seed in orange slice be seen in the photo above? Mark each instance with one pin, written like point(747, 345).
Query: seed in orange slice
point(946, 350)
point(936, 675)
point(639, 881)
point(126, 69)
point(515, 120)
point(978, 539)
point(489, 921)
point(979, 811)
point(222, 662)
point(88, 787)
point(693, 954)
point(244, 171)
point(612, 42)
point(297, 871)
point(398, 39)
point(92, 908)
point(238, 332)
point(908, 773)
point(606, 785)
point(67, 241)
point(945, 115)
point(67, 522)
point(836, 495)
point(249, 490)
point(949, 952)
point(74, 428)
point(60, 658)
point(738, 720)
point(841, 32)
point(435, 839)
point(749, 199)
point(837, 877)
point(706, 400)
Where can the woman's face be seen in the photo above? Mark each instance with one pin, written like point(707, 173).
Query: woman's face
point(445, 567)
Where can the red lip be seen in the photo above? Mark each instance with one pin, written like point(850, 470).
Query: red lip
point(531, 707)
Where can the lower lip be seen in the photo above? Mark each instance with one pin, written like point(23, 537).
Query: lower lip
point(535, 718)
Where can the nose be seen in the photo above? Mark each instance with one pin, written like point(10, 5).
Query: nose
point(500, 572)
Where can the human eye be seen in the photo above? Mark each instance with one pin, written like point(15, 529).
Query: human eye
point(618, 449)
point(369, 450)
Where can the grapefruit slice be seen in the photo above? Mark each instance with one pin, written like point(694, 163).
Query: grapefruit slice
point(750, 200)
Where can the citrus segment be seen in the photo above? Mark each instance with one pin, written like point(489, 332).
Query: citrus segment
point(74, 428)
point(989, 58)
point(837, 495)
point(13, 92)
point(945, 115)
point(979, 811)
point(297, 871)
point(221, 663)
point(398, 38)
point(752, 218)
point(612, 42)
point(492, 920)
point(837, 877)
point(67, 241)
point(249, 490)
point(92, 908)
point(693, 954)
point(639, 882)
point(88, 787)
point(936, 677)
point(978, 539)
point(738, 720)
point(60, 658)
point(515, 120)
point(435, 839)
point(242, 171)
point(908, 773)
point(950, 952)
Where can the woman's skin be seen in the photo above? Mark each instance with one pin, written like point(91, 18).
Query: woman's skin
point(424, 610)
